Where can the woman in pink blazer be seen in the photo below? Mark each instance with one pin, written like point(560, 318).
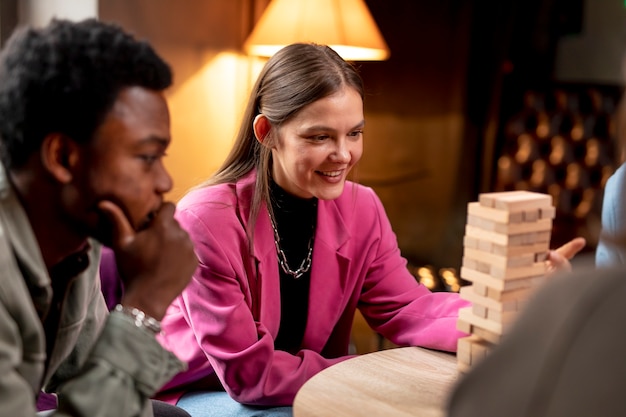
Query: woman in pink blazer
point(289, 249)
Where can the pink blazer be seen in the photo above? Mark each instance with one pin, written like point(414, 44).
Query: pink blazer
point(224, 323)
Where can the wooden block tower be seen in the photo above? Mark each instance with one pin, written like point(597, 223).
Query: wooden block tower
point(506, 243)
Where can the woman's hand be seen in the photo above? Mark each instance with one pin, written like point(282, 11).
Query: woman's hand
point(559, 259)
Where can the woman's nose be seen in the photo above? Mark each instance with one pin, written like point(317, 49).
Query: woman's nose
point(341, 152)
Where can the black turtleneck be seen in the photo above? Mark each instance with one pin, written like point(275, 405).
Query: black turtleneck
point(295, 221)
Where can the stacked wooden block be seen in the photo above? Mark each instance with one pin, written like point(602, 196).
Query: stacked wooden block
point(506, 244)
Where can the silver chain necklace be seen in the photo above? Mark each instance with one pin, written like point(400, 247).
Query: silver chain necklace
point(282, 259)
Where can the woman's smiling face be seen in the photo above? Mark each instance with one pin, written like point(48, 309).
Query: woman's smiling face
point(316, 149)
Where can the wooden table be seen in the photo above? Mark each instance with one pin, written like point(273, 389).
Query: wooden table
point(408, 381)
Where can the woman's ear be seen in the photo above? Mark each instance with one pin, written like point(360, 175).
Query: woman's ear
point(261, 128)
point(59, 154)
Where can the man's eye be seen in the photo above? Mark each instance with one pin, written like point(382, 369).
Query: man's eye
point(356, 133)
point(150, 159)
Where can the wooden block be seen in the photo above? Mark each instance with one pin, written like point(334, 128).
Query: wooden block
point(463, 326)
point(511, 250)
point(464, 349)
point(515, 200)
point(480, 311)
point(479, 289)
point(485, 246)
point(463, 368)
point(533, 270)
point(489, 199)
point(470, 329)
point(470, 242)
point(467, 315)
point(484, 250)
point(470, 263)
point(504, 239)
point(483, 279)
point(505, 216)
point(476, 265)
point(498, 284)
point(529, 238)
point(509, 228)
point(481, 234)
point(486, 334)
point(547, 213)
point(504, 317)
point(472, 349)
point(468, 293)
point(525, 259)
point(517, 295)
point(505, 273)
point(501, 216)
point(480, 348)
point(531, 215)
point(523, 201)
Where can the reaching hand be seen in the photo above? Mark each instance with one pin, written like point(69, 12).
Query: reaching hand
point(156, 263)
point(558, 259)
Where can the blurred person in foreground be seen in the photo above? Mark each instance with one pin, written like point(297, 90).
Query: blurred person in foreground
point(84, 127)
point(611, 250)
point(562, 358)
point(610, 253)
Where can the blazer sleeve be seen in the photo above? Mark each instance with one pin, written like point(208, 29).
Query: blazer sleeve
point(395, 304)
point(217, 305)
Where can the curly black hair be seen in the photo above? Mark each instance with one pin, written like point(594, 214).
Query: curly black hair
point(64, 78)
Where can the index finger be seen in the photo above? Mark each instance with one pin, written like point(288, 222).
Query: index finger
point(123, 231)
point(571, 248)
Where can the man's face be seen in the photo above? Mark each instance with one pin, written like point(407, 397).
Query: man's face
point(124, 163)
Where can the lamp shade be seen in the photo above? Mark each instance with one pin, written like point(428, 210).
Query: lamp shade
point(347, 26)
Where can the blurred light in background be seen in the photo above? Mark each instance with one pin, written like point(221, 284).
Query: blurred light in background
point(205, 115)
point(446, 279)
point(426, 277)
point(347, 26)
point(451, 279)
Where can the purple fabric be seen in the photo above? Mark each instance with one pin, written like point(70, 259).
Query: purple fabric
point(112, 286)
point(46, 401)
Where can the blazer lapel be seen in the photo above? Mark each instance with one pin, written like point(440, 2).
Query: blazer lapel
point(329, 275)
point(263, 276)
point(329, 271)
point(268, 279)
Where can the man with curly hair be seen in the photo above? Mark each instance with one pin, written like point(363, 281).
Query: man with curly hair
point(84, 127)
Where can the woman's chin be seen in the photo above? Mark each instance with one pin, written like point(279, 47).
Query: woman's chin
point(330, 193)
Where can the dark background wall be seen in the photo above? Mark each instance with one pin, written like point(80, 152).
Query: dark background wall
point(435, 110)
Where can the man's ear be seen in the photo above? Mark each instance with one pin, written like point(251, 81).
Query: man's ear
point(59, 154)
point(261, 128)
